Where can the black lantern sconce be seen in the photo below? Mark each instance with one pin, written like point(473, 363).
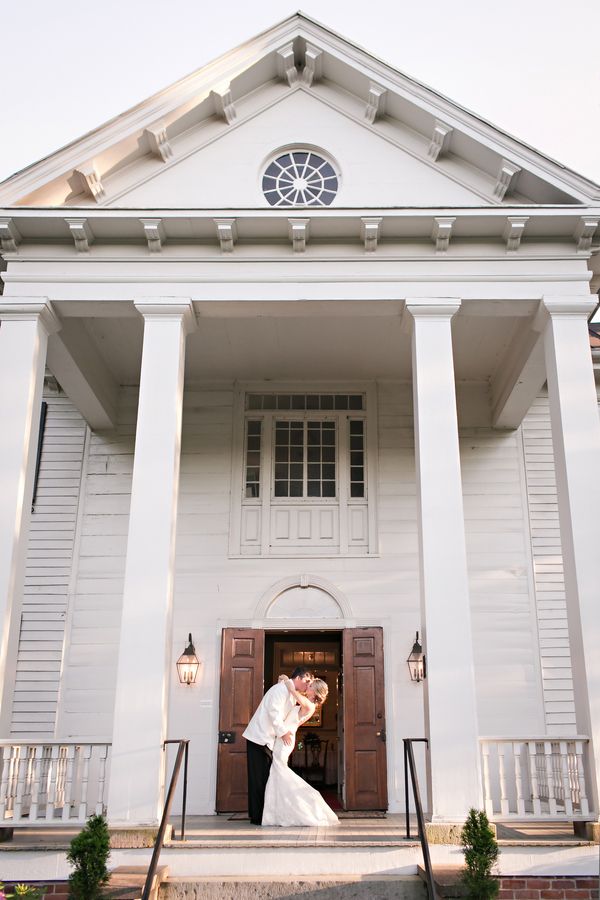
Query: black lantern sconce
point(188, 664)
point(417, 664)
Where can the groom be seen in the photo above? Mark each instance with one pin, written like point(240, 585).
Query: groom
point(268, 723)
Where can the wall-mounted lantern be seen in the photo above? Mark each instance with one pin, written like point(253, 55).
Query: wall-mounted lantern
point(188, 664)
point(417, 664)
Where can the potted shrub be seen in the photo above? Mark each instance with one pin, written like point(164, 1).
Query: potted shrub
point(480, 849)
point(88, 854)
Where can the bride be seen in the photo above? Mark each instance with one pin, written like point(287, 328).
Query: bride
point(289, 800)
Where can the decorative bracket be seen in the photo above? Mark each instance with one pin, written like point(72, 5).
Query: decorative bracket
point(155, 234)
point(505, 179)
point(442, 231)
point(298, 232)
point(90, 181)
point(224, 106)
point(584, 232)
point(286, 64)
point(227, 234)
point(375, 102)
point(313, 59)
point(515, 226)
point(9, 236)
point(81, 233)
point(369, 233)
point(440, 140)
point(158, 141)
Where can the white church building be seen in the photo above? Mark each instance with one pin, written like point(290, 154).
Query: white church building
point(294, 358)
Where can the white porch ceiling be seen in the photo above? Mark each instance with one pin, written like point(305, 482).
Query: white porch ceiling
point(313, 346)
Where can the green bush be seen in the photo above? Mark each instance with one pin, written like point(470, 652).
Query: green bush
point(88, 854)
point(480, 849)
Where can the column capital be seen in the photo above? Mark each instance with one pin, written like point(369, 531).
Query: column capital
point(169, 308)
point(432, 307)
point(577, 306)
point(27, 309)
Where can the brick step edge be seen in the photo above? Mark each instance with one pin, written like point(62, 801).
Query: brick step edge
point(529, 887)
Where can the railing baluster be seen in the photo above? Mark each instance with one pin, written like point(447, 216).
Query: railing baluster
point(52, 774)
point(103, 753)
point(549, 777)
point(6, 765)
point(20, 769)
point(487, 788)
point(535, 797)
point(502, 776)
point(86, 752)
point(35, 788)
point(566, 781)
point(516, 750)
point(583, 801)
point(68, 788)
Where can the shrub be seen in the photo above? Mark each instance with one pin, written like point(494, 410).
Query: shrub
point(88, 854)
point(29, 891)
point(480, 849)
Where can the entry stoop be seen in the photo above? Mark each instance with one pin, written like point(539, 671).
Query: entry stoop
point(319, 887)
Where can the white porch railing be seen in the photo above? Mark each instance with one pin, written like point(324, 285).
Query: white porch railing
point(51, 782)
point(535, 778)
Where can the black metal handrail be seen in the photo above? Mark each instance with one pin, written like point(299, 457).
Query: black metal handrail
point(182, 755)
point(409, 765)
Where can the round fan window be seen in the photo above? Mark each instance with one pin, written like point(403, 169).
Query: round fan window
point(300, 178)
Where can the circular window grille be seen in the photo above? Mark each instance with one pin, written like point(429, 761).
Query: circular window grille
point(300, 178)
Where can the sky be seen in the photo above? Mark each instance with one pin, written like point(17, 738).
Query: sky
point(531, 67)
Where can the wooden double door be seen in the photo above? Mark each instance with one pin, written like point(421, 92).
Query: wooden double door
point(362, 732)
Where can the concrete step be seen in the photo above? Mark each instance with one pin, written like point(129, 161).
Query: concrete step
point(127, 882)
point(319, 887)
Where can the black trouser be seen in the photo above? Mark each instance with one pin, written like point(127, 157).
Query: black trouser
point(259, 763)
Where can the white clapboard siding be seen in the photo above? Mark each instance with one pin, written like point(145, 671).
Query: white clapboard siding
point(559, 703)
point(502, 605)
point(87, 696)
point(48, 572)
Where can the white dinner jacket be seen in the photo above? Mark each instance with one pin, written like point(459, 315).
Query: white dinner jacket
point(267, 723)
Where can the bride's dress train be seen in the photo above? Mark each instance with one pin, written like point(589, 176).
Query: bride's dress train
point(289, 800)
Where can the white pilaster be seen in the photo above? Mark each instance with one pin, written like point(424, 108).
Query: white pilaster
point(576, 443)
point(450, 706)
point(136, 773)
point(24, 329)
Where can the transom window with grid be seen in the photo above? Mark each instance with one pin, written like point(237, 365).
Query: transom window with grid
point(305, 474)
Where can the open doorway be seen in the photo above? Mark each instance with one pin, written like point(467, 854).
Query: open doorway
point(319, 753)
point(351, 661)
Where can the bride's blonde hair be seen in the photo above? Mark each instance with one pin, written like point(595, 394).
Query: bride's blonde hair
point(321, 690)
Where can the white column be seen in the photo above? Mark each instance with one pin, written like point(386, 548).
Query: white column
point(576, 443)
point(25, 326)
point(450, 705)
point(137, 762)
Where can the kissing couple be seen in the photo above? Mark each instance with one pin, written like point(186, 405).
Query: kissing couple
point(276, 795)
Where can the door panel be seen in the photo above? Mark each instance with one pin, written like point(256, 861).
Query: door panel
point(242, 677)
point(364, 719)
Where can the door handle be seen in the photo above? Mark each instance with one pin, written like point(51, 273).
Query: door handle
point(381, 734)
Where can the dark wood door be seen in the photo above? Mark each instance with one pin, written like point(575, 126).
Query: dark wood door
point(364, 719)
point(242, 676)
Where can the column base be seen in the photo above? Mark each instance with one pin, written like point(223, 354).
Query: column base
point(588, 831)
point(136, 838)
point(447, 832)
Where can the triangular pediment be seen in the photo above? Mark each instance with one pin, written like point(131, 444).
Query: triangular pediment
point(203, 141)
point(225, 172)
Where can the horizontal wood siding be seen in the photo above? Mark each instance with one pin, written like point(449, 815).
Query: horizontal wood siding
point(48, 572)
point(86, 709)
point(502, 604)
point(559, 702)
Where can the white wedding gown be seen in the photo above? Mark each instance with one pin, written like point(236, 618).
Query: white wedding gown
point(289, 800)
